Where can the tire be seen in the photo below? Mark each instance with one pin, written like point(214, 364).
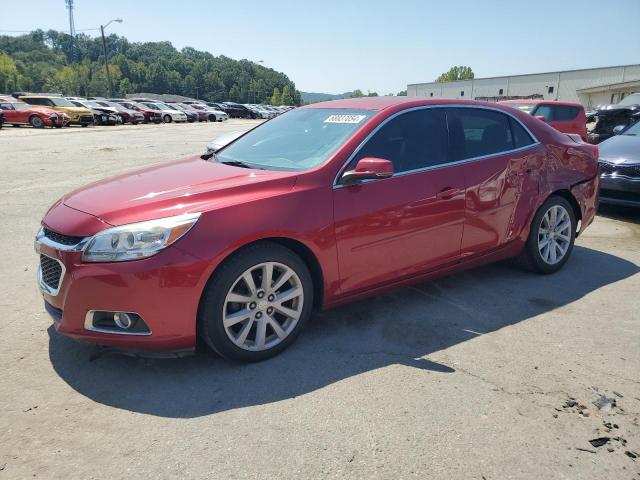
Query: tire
point(36, 122)
point(540, 253)
point(86, 124)
point(212, 118)
point(228, 282)
point(167, 118)
point(58, 126)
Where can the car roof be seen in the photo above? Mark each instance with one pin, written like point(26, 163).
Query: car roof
point(538, 100)
point(382, 103)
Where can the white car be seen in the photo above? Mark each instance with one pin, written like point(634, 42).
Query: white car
point(219, 116)
point(223, 140)
point(169, 114)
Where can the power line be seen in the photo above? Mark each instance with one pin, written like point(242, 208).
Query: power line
point(29, 31)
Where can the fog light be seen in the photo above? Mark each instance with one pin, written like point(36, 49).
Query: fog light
point(122, 320)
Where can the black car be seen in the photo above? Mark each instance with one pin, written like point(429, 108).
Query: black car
point(234, 110)
point(609, 117)
point(1, 119)
point(619, 161)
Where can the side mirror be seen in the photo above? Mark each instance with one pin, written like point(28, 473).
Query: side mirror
point(368, 168)
point(618, 129)
point(541, 117)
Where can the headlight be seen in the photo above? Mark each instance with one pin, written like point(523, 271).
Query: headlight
point(137, 240)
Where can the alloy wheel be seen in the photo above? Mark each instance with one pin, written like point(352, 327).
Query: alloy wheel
point(554, 234)
point(263, 306)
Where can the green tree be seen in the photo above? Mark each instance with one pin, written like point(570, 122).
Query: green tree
point(287, 97)
point(276, 98)
point(8, 73)
point(456, 73)
point(402, 93)
point(357, 93)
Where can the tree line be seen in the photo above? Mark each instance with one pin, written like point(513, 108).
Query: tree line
point(54, 61)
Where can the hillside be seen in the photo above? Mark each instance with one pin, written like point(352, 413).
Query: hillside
point(312, 97)
point(53, 61)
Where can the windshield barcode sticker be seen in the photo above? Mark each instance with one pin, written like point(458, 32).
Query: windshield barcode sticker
point(345, 119)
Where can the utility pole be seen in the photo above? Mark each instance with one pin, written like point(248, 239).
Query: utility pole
point(72, 27)
point(106, 62)
point(104, 50)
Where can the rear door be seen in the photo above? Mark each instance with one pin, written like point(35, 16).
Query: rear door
point(393, 228)
point(11, 115)
point(501, 163)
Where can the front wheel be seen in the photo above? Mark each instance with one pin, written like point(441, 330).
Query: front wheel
point(256, 303)
point(551, 238)
point(167, 118)
point(36, 122)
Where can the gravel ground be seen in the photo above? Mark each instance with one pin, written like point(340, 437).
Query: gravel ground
point(488, 374)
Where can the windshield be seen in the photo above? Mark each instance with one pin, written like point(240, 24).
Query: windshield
point(117, 106)
point(633, 129)
point(298, 140)
point(164, 106)
point(61, 102)
point(21, 106)
point(525, 107)
point(153, 106)
point(92, 104)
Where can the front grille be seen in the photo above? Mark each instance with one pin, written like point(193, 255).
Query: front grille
point(626, 170)
point(60, 238)
point(50, 272)
point(86, 119)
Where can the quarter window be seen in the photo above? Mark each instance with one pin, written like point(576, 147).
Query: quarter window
point(521, 137)
point(412, 140)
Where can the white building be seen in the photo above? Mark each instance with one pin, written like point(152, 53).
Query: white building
point(592, 86)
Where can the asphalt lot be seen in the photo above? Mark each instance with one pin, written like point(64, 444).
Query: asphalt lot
point(481, 375)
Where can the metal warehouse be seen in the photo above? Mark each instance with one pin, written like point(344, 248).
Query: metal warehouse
point(591, 86)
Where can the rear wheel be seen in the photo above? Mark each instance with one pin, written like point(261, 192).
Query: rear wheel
point(551, 237)
point(36, 121)
point(167, 118)
point(256, 304)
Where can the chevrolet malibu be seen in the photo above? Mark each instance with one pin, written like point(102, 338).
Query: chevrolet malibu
point(323, 205)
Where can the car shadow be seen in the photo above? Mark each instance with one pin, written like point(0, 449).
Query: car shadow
point(619, 212)
point(401, 327)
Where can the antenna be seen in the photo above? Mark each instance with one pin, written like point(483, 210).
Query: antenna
point(72, 27)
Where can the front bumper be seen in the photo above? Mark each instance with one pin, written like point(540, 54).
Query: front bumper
point(620, 190)
point(164, 290)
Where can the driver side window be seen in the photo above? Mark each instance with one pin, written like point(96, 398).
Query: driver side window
point(412, 140)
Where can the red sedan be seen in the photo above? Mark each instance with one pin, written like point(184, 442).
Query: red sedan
point(320, 206)
point(21, 113)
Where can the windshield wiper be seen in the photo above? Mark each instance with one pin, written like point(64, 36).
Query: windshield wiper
point(236, 163)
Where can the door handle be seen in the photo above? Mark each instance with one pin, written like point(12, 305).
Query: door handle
point(447, 193)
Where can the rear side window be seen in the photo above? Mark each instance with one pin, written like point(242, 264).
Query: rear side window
point(565, 112)
point(477, 132)
point(412, 140)
point(521, 137)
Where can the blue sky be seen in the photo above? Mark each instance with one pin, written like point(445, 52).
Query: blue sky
point(336, 46)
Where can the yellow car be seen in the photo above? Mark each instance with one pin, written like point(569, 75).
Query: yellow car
point(77, 115)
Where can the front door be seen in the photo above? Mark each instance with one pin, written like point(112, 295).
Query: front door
point(397, 227)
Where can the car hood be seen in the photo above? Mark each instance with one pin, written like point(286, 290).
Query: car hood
point(47, 111)
point(621, 149)
point(189, 185)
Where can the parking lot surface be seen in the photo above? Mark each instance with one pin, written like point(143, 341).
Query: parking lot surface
point(493, 373)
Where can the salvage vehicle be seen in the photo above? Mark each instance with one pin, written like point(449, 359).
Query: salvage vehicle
point(102, 115)
point(1, 119)
point(236, 110)
point(620, 167)
point(212, 114)
point(128, 115)
point(169, 114)
point(566, 117)
point(150, 114)
point(20, 113)
point(77, 115)
point(323, 205)
point(192, 114)
point(607, 118)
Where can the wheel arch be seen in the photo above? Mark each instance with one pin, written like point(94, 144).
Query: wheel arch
point(296, 246)
point(569, 197)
